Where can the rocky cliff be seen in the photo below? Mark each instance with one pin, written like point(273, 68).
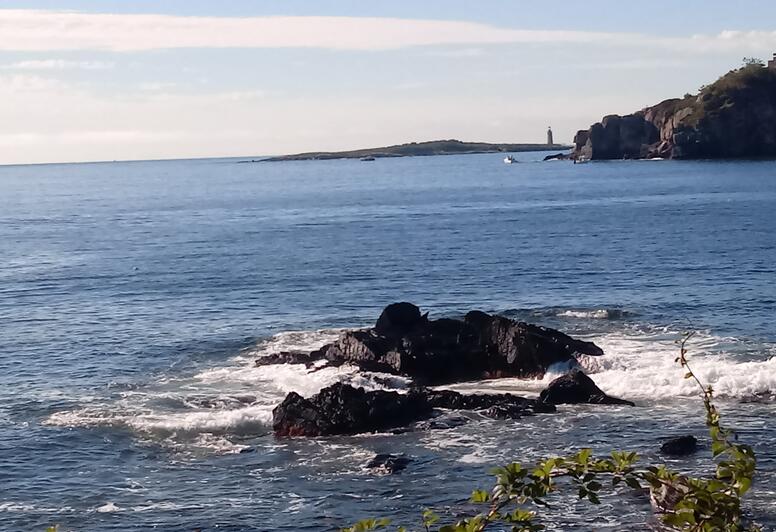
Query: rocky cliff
point(734, 117)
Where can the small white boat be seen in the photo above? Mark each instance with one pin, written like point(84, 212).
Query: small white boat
point(509, 159)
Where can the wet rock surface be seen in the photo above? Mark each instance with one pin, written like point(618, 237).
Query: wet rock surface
point(681, 446)
point(405, 342)
point(388, 464)
point(575, 387)
point(343, 409)
point(290, 357)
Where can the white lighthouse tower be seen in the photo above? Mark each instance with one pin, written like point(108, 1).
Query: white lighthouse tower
point(549, 137)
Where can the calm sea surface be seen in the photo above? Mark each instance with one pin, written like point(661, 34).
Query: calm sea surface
point(134, 298)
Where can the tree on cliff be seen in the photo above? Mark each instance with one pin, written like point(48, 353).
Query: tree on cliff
point(753, 61)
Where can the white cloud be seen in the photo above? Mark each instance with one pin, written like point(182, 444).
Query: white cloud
point(43, 30)
point(29, 83)
point(58, 64)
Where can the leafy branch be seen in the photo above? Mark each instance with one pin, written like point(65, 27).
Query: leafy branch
point(686, 504)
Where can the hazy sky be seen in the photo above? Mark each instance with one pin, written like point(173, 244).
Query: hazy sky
point(104, 80)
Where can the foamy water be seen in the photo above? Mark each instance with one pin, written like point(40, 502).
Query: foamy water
point(215, 408)
point(210, 408)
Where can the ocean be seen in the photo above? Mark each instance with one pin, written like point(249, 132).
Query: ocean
point(135, 297)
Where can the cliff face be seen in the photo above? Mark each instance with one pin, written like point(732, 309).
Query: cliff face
point(731, 118)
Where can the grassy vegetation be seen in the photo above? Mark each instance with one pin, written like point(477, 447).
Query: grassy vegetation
point(734, 88)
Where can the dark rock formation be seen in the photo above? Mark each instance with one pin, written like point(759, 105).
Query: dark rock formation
point(399, 319)
point(456, 401)
point(576, 387)
point(731, 118)
point(557, 157)
point(616, 137)
point(290, 357)
point(404, 342)
point(388, 464)
point(442, 422)
point(519, 349)
point(343, 409)
point(680, 446)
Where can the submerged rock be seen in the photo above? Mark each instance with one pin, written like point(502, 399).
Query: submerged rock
point(680, 446)
point(388, 464)
point(576, 387)
point(441, 423)
point(405, 342)
point(343, 409)
point(557, 157)
point(290, 357)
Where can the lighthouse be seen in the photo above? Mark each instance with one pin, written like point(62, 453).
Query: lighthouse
point(549, 137)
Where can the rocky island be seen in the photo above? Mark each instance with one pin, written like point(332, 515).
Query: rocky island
point(416, 149)
point(734, 117)
point(433, 352)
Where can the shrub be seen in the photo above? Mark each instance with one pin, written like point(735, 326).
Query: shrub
point(689, 504)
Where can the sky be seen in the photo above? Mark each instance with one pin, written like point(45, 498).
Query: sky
point(117, 80)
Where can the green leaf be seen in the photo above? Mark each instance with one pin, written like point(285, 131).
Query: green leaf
point(583, 456)
point(480, 496)
point(429, 517)
point(633, 483)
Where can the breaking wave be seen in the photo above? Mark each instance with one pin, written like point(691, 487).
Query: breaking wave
point(219, 408)
point(639, 364)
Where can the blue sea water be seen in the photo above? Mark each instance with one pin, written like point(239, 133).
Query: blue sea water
point(135, 296)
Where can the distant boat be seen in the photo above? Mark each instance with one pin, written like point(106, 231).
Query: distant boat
point(509, 159)
point(365, 159)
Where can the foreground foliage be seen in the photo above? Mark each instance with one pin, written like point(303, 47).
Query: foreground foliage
point(689, 504)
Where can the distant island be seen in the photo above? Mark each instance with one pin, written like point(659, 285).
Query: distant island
point(416, 149)
point(734, 117)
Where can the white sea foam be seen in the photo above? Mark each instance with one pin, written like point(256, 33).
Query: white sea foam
point(641, 365)
point(108, 507)
point(20, 507)
point(205, 409)
point(209, 409)
point(597, 314)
